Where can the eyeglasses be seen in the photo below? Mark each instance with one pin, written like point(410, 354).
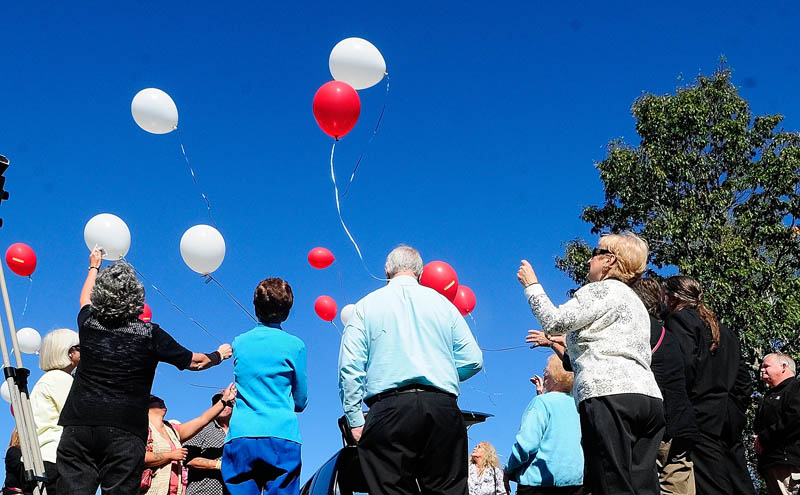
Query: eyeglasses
point(597, 251)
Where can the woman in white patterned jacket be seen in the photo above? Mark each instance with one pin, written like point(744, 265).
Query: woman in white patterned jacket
point(608, 338)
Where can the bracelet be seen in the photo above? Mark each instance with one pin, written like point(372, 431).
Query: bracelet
point(215, 357)
point(95, 267)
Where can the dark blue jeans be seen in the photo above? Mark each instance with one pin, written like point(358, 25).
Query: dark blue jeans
point(89, 456)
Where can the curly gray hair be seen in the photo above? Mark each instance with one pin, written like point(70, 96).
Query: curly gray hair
point(117, 294)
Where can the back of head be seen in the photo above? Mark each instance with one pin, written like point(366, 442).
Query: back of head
point(54, 353)
point(649, 291)
point(631, 252)
point(403, 258)
point(117, 295)
point(562, 379)
point(687, 292)
point(272, 300)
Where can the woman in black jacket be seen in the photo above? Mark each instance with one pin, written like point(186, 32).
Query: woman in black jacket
point(719, 388)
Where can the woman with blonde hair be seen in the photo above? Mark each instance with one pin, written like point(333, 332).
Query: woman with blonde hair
point(718, 384)
point(58, 357)
point(546, 457)
point(485, 475)
point(608, 339)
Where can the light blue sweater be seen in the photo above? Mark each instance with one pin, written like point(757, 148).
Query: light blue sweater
point(547, 451)
point(269, 368)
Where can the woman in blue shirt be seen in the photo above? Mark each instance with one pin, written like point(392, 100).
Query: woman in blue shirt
point(547, 457)
point(262, 451)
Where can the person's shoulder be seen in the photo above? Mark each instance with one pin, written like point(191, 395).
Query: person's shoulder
point(685, 316)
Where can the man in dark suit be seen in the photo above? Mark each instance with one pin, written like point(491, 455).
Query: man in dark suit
point(777, 425)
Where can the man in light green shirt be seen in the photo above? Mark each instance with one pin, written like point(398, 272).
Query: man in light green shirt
point(403, 353)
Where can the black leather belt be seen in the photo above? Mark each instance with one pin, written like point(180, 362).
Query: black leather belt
point(414, 387)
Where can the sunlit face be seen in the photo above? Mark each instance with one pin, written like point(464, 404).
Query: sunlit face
point(598, 264)
point(773, 371)
point(477, 454)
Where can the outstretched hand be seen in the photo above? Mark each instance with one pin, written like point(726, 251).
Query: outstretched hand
point(225, 351)
point(96, 257)
point(526, 275)
point(538, 383)
point(229, 393)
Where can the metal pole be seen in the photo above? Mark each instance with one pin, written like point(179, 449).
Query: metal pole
point(17, 380)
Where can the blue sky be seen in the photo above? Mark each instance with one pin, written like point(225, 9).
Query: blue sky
point(485, 155)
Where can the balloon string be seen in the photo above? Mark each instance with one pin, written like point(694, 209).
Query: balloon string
point(209, 278)
point(337, 328)
point(374, 133)
point(194, 178)
point(184, 313)
point(30, 285)
point(339, 211)
point(504, 348)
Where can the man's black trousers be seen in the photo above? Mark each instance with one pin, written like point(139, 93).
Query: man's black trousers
point(412, 437)
point(621, 434)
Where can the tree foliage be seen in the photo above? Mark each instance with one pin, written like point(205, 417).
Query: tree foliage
point(714, 191)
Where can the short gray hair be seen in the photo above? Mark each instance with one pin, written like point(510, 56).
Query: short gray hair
point(784, 359)
point(403, 258)
point(117, 294)
point(54, 354)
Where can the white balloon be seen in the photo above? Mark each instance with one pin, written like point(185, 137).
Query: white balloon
point(29, 340)
point(357, 62)
point(203, 248)
point(110, 233)
point(154, 111)
point(347, 313)
point(5, 392)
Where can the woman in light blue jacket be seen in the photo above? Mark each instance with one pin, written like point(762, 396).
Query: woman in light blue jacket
point(547, 457)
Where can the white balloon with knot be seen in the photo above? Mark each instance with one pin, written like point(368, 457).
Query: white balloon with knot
point(109, 233)
point(203, 249)
point(154, 111)
point(29, 340)
point(357, 62)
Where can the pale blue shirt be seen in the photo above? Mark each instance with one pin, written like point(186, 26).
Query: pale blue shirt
point(399, 335)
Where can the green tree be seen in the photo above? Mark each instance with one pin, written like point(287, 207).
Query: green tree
point(714, 191)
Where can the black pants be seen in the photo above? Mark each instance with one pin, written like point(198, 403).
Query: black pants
point(89, 456)
point(720, 467)
point(549, 490)
point(51, 471)
point(414, 437)
point(621, 436)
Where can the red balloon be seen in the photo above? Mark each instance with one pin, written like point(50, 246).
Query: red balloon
point(336, 108)
point(320, 258)
point(12, 410)
point(440, 277)
point(325, 307)
point(465, 300)
point(147, 313)
point(21, 259)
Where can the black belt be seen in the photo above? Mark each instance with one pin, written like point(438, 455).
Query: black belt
point(414, 387)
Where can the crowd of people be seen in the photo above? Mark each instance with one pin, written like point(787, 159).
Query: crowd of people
point(645, 393)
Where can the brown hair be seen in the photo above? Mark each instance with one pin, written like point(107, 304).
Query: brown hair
point(562, 378)
point(14, 439)
point(688, 292)
point(273, 300)
point(649, 291)
point(631, 252)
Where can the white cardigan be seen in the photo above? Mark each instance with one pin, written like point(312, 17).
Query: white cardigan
point(608, 338)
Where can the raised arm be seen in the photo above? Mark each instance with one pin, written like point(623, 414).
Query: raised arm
point(586, 306)
point(558, 343)
point(95, 260)
point(528, 439)
point(202, 361)
point(466, 353)
point(190, 428)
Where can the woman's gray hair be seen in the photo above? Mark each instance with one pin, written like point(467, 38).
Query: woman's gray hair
point(403, 258)
point(117, 294)
point(54, 354)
